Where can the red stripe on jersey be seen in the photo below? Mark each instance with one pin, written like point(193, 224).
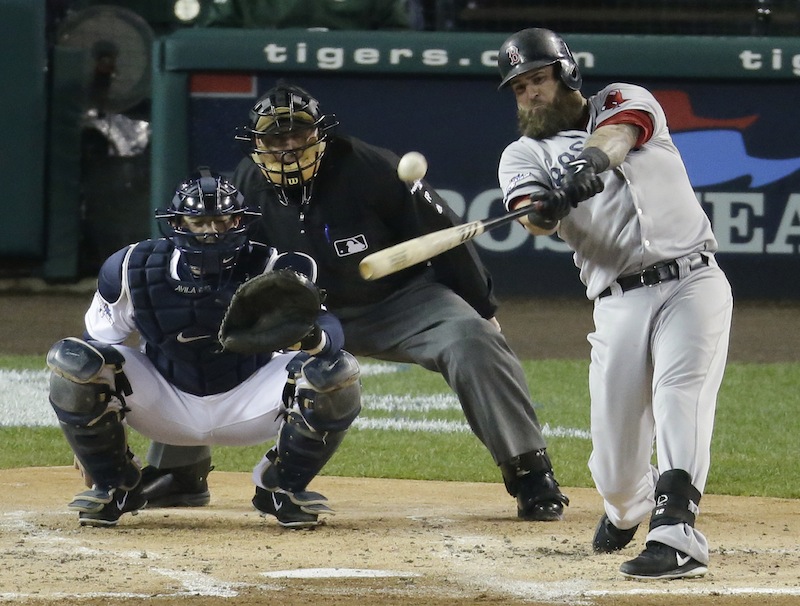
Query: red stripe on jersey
point(636, 117)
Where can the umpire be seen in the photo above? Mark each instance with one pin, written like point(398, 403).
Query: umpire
point(338, 199)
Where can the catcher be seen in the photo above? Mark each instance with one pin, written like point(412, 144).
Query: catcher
point(237, 349)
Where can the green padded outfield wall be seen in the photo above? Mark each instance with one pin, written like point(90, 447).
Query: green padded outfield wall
point(23, 113)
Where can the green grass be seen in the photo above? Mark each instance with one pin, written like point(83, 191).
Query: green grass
point(22, 362)
point(756, 439)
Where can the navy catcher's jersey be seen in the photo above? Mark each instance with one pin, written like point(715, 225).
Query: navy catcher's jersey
point(179, 319)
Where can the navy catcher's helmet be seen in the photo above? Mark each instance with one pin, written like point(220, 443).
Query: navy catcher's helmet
point(533, 48)
point(207, 221)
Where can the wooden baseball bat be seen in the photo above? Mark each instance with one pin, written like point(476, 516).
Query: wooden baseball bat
point(408, 253)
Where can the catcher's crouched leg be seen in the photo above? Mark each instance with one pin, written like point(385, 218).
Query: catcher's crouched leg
point(529, 477)
point(327, 399)
point(85, 394)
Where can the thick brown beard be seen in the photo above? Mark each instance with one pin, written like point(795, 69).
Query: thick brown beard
point(564, 113)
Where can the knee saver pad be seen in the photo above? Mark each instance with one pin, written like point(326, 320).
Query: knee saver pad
point(329, 374)
point(80, 361)
point(332, 411)
point(77, 387)
point(329, 392)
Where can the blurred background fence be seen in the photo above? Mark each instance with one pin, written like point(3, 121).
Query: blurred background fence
point(641, 17)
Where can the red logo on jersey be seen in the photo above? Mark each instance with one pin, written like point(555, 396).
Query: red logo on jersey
point(514, 57)
point(613, 99)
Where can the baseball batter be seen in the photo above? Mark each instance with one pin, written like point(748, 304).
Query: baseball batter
point(620, 197)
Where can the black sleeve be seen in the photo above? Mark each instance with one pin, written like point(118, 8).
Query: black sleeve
point(460, 268)
point(421, 210)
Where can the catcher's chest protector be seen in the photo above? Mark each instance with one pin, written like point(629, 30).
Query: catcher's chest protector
point(179, 321)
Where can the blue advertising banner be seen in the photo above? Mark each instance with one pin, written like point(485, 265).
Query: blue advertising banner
point(740, 141)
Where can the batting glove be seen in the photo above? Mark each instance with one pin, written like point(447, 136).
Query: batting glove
point(580, 183)
point(536, 218)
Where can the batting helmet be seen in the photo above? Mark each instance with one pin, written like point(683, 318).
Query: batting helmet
point(533, 48)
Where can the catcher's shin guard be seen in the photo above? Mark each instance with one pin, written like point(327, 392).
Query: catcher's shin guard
point(86, 379)
point(102, 450)
point(529, 477)
point(299, 455)
point(326, 401)
point(677, 500)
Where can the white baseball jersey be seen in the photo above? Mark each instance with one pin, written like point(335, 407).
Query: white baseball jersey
point(647, 212)
point(658, 353)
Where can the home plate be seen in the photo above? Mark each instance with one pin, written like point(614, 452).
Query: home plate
point(332, 573)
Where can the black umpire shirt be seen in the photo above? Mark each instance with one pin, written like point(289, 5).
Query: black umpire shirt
point(359, 206)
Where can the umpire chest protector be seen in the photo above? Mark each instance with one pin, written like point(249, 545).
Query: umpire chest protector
point(179, 319)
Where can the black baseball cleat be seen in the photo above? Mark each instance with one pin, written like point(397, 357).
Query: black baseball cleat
point(292, 509)
point(177, 487)
point(539, 498)
point(97, 507)
point(608, 538)
point(659, 561)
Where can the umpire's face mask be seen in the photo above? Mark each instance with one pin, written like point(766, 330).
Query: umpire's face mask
point(290, 158)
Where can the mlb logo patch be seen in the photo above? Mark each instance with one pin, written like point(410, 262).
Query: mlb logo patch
point(351, 245)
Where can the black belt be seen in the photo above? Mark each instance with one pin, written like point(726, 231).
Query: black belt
point(655, 274)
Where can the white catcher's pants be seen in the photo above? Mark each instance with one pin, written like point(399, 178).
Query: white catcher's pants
point(246, 415)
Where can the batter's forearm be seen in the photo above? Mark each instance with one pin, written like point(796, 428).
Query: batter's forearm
point(615, 140)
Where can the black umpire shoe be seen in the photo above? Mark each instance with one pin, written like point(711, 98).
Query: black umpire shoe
point(659, 561)
point(539, 499)
point(292, 509)
point(608, 538)
point(177, 486)
point(529, 478)
point(103, 508)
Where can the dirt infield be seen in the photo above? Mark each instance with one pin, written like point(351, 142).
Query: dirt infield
point(392, 541)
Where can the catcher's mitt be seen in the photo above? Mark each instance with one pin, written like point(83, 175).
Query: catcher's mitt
point(273, 311)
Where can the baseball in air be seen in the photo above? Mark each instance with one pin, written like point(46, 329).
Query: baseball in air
point(412, 167)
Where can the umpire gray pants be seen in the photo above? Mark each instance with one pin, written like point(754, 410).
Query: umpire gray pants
point(427, 324)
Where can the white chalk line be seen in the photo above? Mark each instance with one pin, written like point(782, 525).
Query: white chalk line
point(338, 573)
point(24, 395)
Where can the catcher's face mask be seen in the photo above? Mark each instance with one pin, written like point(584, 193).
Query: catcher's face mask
point(210, 229)
point(286, 138)
point(207, 222)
